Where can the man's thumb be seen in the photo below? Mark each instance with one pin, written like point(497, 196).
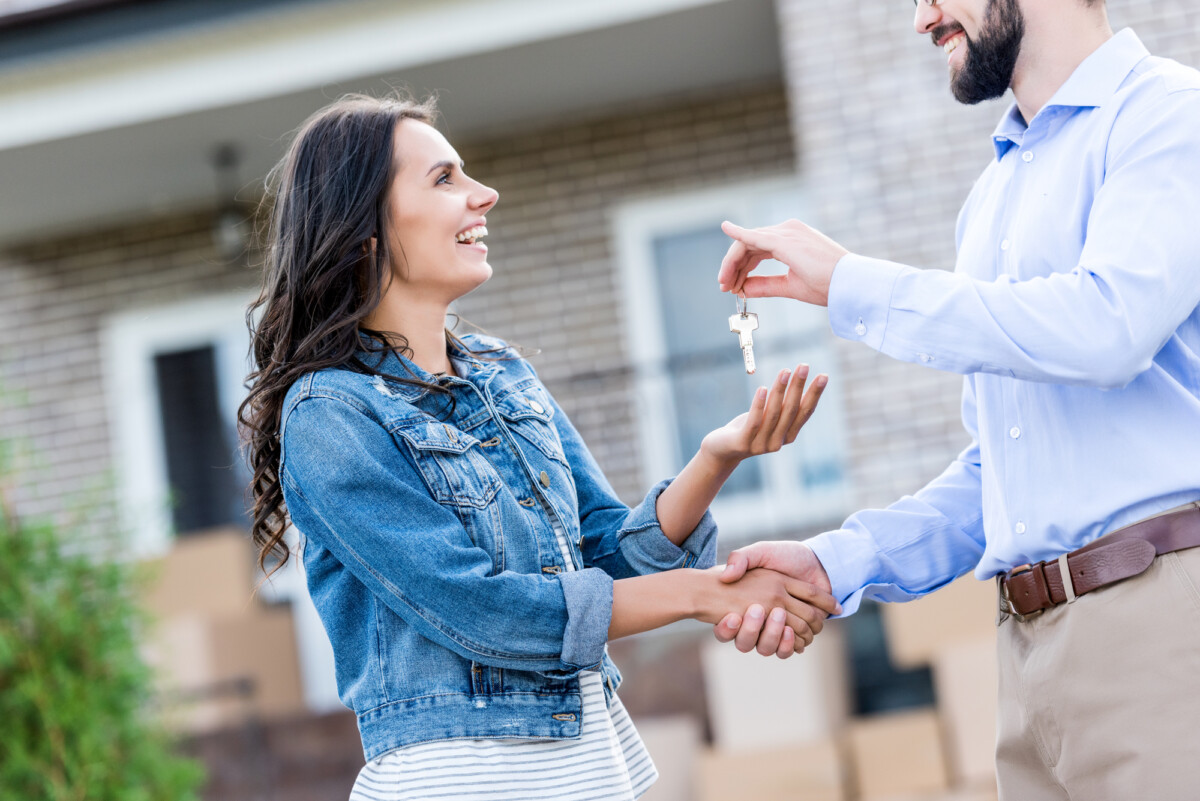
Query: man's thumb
point(735, 567)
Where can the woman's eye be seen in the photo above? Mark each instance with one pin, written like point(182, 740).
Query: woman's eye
point(444, 178)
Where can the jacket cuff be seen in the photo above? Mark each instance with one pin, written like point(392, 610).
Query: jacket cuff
point(589, 597)
point(647, 549)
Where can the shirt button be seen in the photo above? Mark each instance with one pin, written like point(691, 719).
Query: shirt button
point(1004, 245)
point(861, 328)
point(925, 357)
point(1019, 528)
point(537, 407)
point(545, 479)
point(1027, 156)
point(1014, 432)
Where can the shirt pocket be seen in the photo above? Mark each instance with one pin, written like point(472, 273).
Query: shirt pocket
point(451, 464)
point(529, 415)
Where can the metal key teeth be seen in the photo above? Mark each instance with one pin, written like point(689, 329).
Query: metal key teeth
point(748, 357)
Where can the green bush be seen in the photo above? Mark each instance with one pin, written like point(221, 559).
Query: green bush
point(76, 705)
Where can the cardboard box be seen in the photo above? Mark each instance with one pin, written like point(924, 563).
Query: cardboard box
point(759, 702)
point(206, 574)
point(965, 680)
point(896, 755)
point(218, 672)
point(963, 611)
point(812, 772)
point(674, 745)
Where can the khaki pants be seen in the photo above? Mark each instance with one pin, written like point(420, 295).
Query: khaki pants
point(1100, 699)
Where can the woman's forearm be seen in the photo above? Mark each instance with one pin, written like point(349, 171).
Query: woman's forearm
point(649, 602)
point(681, 505)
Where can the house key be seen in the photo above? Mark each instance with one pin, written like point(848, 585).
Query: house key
point(743, 323)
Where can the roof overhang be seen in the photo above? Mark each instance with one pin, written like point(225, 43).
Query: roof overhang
point(114, 133)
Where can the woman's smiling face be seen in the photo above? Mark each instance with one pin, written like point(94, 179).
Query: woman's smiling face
point(436, 215)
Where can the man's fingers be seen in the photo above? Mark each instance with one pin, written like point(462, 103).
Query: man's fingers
point(727, 629)
point(764, 286)
point(752, 624)
point(787, 643)
point(772, 634)
point(754, 238)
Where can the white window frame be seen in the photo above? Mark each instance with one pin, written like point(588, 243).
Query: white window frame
point(131, 341)
point(784, 504)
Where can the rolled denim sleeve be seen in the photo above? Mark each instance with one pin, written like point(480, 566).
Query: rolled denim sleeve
point(647, 549)
point(351, 487)
point(626, 542)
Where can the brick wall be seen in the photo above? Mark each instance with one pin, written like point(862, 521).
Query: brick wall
point(889, 156)
point(554, 287)
point(54, 297)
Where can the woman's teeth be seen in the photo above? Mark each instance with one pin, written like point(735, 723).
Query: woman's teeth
point(469, 236)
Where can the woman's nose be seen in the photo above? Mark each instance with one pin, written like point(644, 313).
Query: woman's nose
point(484, 197)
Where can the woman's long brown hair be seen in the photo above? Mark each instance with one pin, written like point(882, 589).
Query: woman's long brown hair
point(326, 267)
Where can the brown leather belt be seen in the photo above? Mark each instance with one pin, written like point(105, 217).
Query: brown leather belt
point(1029, 590)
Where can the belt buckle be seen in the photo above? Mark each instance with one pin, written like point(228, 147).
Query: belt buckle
point(1006, 604)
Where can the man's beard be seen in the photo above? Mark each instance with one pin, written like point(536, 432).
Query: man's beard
point(988, 66)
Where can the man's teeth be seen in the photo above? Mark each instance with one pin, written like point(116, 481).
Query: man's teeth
point(950, 46)
point(471, 234)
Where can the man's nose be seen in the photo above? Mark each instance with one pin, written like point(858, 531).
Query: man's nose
point(926, 17)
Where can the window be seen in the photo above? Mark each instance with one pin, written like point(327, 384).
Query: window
point(688, 365)
point(174, 378)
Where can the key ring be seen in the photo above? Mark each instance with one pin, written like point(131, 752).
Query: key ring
point(740, 299)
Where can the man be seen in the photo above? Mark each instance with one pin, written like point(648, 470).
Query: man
point(1072, 314)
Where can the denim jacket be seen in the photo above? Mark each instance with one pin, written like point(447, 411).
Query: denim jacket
point(428, 542)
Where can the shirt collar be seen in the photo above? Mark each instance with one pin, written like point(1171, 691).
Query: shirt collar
point(1092, 83)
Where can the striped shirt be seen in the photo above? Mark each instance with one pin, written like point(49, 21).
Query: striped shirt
point(608, 761)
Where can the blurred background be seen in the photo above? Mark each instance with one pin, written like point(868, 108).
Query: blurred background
point(134, 140)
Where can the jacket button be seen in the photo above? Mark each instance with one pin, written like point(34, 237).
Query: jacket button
point(537, 407)
point(544, 478)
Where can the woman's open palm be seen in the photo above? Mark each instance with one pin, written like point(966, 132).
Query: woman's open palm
point(774, 419)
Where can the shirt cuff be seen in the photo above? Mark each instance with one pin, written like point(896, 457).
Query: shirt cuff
point(860, 297)
point(589, 597)
point(647, 549)
point(849, 558)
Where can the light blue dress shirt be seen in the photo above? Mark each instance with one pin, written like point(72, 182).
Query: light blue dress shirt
point(1073, 314)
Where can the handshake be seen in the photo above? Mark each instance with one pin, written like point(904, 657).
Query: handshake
point(784, 591)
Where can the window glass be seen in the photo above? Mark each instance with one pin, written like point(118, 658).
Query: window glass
point(198, 454)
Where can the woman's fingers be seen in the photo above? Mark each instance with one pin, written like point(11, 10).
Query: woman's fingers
point(792, 403)
point(808, 405)
point(761, 436)
point(804, 632)
point(813, 595)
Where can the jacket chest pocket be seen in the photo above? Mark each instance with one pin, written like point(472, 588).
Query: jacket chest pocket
point(453, 468)
point(528, 414)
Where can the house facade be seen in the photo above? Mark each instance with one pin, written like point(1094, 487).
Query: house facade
point(134, 139)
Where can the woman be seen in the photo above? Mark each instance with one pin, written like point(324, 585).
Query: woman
point(467, 556)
